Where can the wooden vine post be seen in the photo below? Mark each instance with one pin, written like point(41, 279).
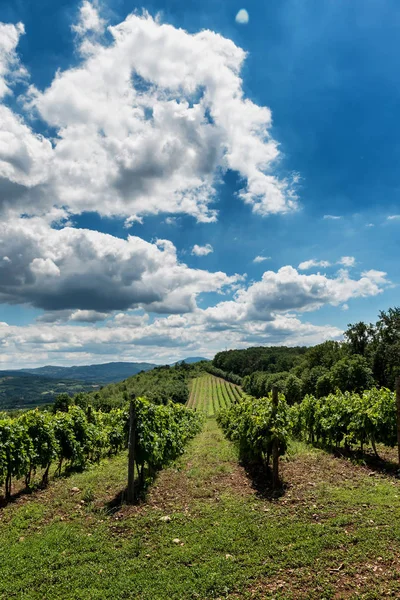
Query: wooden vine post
point(275, 444)
point(131, 452)
point(398, 413)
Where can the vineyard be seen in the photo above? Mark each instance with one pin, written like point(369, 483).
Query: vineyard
point(328, 529)
point(34, 441)
point(211, 394)
point(347, 419)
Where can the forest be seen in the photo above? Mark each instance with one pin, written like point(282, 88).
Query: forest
point(368, 356)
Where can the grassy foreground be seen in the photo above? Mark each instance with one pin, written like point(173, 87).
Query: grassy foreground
point(334, 534)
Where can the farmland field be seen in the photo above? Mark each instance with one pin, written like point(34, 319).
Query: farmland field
point(210, 394)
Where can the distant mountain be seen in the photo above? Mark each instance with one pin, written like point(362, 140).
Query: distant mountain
point(99, 374)
point(191, 359)
point(26, 390)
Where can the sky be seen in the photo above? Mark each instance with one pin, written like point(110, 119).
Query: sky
point(181, 178)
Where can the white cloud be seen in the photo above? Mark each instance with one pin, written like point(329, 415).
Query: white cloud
point(145, 124)
point(10, 67)
point(202, 250)
point(332, 217)
point(89, 19)
point(347, 261)
point(379, 277)
point(242, 17)
point(132, 220)
point(44, 266)
point(71, 269)
point(24, 166)
point(310, 264)
point(393, 218)
point(287, 290)
point(56, 343)
point(265, 312)
point(259, 259)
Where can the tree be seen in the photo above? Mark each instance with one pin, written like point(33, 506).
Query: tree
point(293, 389)
point(359, 336)
point(324, 355)
point(310, 379)
point(324, 385)
point(62, 402)
point(386, 358)
point(352, 374)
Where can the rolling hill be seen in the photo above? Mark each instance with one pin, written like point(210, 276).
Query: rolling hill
point(26, 390)
point(100, 374)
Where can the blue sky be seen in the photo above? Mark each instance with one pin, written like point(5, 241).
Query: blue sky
point(154, 130)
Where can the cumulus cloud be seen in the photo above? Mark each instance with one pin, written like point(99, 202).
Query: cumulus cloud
point(309, 264)
point(202, 250)
point(80, 269)
point(265, 312)
point(242, 17)
point(89, 19)
point(145, 124)
point(378, 277)
point(393, 218)
point(288, 290)
point(332, 217)
point(58, 343)
point(259, 259)
point(11, 69)
point(347, 261)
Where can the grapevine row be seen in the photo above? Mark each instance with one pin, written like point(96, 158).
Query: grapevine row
point(211, 394)
point(254, 425)
point(36, 440)
point(347, 418)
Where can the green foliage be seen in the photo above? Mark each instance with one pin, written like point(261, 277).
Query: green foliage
point(259, 383)
point(62, 403)
point(267, 359)
point(379, 344)
point(352, 374)
point(293, 389)
point(26, 390)
point(324, 355)
point(310, 377)
point(254, 424)
point(359, 336)
point(35, 439)
point(162, 431)
point(324, 385)
point(231, 377)
point(160, 385)
point(347, 418)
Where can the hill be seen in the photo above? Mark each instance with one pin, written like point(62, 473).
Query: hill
point(26, 390)
point(100, 374)
point(191, 360)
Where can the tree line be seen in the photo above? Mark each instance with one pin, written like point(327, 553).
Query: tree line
point(368, 356)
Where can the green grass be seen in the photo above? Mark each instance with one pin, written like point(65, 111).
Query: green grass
point(335, 533)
